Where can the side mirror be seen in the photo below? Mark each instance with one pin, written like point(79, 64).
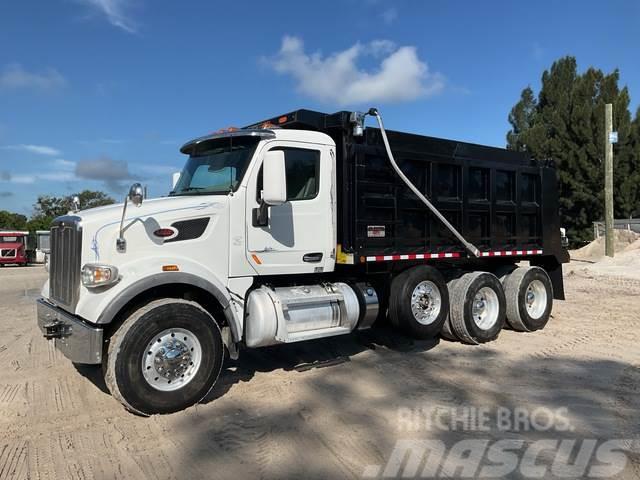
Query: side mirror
point(174, 179)
point(274, 183)
point(136, 194)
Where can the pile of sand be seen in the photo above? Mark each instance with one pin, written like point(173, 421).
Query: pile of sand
point(624, 241)
point(625, 263)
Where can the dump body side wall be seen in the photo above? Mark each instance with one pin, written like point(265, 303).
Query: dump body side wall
point(499, 200)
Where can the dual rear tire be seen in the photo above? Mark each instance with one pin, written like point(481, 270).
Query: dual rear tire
point(478, 308)
point(419, 302)
point(472, 308)
point(529, 295)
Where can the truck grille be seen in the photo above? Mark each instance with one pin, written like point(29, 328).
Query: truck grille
point(64, 262)
point(8, 253)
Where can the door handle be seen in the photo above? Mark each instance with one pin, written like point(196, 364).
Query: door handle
point(312, 257)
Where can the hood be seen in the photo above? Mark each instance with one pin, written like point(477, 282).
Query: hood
point(150, 206)
point(101, 225)
point(11, 245)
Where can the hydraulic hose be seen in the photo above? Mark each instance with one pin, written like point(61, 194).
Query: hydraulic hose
point(469, 246)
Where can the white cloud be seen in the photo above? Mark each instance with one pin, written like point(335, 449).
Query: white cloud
point(389, 16)
point(39, 149)
point(154, 171)
point(337, 78)
point(28, 179)
point(21, 179)
point(63, 164)
point(56, 176)
point(14, 77)
point(115, 11)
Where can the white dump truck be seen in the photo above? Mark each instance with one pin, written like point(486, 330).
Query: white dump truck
point(304, 226)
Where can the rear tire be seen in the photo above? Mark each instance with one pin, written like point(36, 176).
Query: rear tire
point(529, 296)
point(165, 357)
point(447, 329)
point(419, 302)
point(477, 307)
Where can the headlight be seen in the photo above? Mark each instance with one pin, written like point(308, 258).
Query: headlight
point(96, 275)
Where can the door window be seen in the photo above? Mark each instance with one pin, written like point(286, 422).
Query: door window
point(303, 173)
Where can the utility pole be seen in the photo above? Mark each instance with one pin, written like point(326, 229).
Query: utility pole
point(608, 180)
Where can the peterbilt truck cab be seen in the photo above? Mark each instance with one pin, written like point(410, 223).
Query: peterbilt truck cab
point(265, 239)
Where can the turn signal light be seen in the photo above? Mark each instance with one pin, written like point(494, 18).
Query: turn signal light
point(96, 275)
point(170, 268)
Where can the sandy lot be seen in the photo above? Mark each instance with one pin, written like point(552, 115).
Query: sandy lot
point(329, 409)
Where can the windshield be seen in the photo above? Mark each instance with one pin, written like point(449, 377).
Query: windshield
point(217, 167)
point(7, 239)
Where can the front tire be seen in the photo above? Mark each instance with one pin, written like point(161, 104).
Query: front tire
point(419, 302)
point(165, 357)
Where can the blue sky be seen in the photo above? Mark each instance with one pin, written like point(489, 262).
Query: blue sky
point(97, 93)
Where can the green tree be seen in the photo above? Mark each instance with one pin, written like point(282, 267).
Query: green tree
point(566, 123)
point(522, 119)
point(634, 163)
point(48, 207)
point(12, 221)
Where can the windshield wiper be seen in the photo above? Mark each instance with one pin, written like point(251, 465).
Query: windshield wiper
point(186, 189)
point(198, 192)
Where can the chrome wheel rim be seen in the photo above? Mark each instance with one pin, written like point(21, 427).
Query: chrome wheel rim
point(536, 299)
point(426, 302)
point(172, 359)
point(486, 308)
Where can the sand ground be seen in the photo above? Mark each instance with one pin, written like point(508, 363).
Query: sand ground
point(328, 409)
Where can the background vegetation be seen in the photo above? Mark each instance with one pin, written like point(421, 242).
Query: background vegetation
point(47, 208)
point(565, 123)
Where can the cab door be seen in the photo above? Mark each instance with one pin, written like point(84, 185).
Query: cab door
point(299, 235)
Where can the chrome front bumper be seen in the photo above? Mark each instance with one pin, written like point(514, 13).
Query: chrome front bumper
point(80, 342)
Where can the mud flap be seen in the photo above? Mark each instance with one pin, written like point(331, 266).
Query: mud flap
point(554, 270)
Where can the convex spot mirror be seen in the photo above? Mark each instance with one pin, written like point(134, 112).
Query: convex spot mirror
point(136, 194)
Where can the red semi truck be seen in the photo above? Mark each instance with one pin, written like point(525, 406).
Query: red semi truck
point(13, 248)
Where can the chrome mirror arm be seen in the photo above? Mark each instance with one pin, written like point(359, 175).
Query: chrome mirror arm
point(121, 243)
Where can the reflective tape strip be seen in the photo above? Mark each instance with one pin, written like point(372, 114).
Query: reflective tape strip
point(413, 256)
point(433, 256)
point(508, 253)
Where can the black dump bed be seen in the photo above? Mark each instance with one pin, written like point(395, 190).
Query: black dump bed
point(503, 202)
point(495, 198)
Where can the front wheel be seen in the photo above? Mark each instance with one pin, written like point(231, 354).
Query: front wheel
point(165, 357)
